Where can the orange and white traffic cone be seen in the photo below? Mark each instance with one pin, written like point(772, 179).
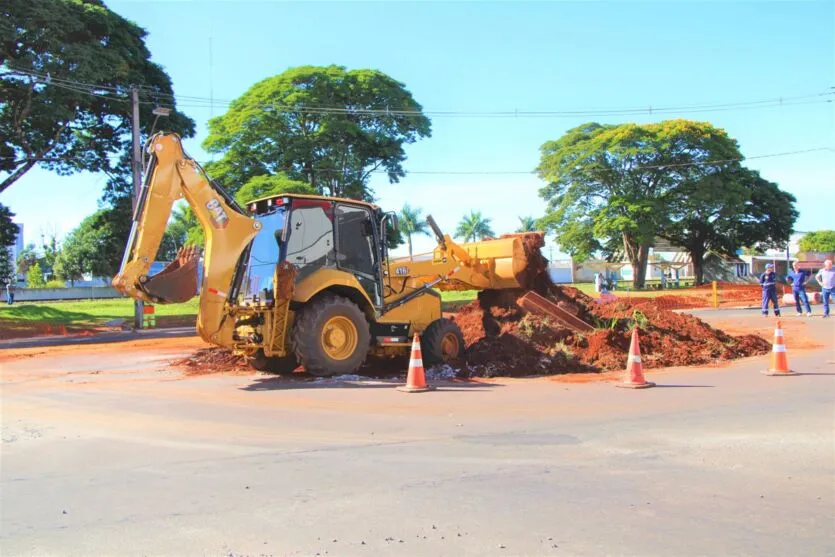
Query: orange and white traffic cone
point(634, 368)
point(416, 378)
point(779, 358)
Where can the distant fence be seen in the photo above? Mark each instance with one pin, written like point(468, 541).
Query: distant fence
point(712, 295)
point(74, 293)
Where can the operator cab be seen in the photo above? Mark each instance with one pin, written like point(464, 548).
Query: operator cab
point(315, 233)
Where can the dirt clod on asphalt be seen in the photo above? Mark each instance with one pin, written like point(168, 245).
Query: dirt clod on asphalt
point(215, 359)
point(504, 340)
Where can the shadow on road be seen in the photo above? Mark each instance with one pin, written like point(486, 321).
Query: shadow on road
point(287, 384)
point(686, 386)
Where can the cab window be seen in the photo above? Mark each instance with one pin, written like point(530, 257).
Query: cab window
point(310, 238)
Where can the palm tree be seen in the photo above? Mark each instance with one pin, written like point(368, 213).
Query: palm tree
point(526, 224)
point(410, 221)
point(474, 227)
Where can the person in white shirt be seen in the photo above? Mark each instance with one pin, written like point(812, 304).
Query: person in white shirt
point(826, 278)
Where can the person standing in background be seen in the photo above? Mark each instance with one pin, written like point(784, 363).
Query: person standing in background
point(10, 291)
point(826, 278)
point(798, 279)
point(768, 280)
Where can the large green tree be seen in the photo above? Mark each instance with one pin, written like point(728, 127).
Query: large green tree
point(8, 229)
point(265, 186)
point(92, 247)
point(726, 210)
point(8, 235)
point(69, 265)
point(474, 227)
point(819, 240)
point(66, 69)
point(609, 187)
point(7, 272)
point(327, 126)
point(411, 222)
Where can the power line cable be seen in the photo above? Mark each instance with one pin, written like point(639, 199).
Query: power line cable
point(773, 103)
point(519, 172)
point(48, 78)
point(776, 100)
point(186, 101)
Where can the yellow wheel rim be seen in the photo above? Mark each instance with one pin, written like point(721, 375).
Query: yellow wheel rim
point(450, 347)
point(339, 338)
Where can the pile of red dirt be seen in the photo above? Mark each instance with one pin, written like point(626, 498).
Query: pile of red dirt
point(503, 339)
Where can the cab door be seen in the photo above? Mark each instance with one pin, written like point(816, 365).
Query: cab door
point(356, 247)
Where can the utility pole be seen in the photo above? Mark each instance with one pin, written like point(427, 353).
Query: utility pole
point(136, 167)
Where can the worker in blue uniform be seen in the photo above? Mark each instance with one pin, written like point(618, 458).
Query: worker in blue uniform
point(798, 280)
point(768, 280)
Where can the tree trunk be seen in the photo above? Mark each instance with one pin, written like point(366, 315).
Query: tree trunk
point(698, 259)
point(638, 256)
point(640, 276)
point(409, 237)
point(308, 169)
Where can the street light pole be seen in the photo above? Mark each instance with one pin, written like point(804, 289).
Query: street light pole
point(136, 167)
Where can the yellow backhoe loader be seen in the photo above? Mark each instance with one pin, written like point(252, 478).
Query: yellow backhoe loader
point(307, 280)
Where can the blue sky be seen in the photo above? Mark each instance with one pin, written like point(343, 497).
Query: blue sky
point(495, 56)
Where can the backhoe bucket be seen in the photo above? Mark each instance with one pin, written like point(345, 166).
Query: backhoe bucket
point(177, 282)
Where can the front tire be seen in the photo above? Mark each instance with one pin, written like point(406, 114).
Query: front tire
point(331, 337)
point(442, 342)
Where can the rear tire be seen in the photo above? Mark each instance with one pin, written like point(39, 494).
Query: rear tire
point(331, 336)
point(441, 342)
point(273, 364)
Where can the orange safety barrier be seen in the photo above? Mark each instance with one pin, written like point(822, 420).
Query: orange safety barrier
point(634, 368)
point(779, 358)
point(416, 377)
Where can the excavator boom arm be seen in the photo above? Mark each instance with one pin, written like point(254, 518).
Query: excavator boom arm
point(228, 231)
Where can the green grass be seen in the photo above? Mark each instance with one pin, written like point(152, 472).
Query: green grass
point(625, 291)
point(451, 301)
point(84, 313)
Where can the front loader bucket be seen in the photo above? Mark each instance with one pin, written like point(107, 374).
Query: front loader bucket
point(535, 266)
point(177, 282)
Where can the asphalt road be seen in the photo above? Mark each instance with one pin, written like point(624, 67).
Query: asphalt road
point(101, 338)
point(107, 451)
